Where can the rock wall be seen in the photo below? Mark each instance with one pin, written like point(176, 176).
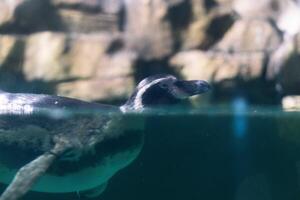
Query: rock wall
point(98, 49)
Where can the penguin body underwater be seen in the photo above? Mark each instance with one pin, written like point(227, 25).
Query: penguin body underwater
point(58, 145)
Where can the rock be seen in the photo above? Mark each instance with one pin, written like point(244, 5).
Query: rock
point(57, 57)
point(7, 45)
point(280, 12)
point(283, 67)
point(73, 42)
point(193, 64)
point(250, 36)
point(7, 10)
point(288, 20)
point(88, 16)
point(27, 16)
point(44, 57)
point(120, 64)
point(78, 4)
point(262, 9)
point(289, 75)
point(248, 45)
point(165, 26)
point(207, 23)
point(11, 61)
point(97, 89)
point(89, 59)
point(147, 31)
point(80, 64)
point(224, 2)
point(194, 34)
point(87, 54)
point(112, 6)
point(230, 74)
point(64, 15)
point(283, 63)
point(218, 66)
point(73, 20)
point(291, 102)
point(279, 58)
point(105, 6)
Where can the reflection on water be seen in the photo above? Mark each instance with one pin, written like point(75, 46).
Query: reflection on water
point(236, 153)
point(240, 121)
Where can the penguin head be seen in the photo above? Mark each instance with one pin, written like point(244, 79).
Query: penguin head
point(161, 90)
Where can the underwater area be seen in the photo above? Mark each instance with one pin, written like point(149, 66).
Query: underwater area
point(216, 154)
point(230, 153)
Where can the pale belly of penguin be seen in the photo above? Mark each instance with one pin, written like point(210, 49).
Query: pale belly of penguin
point(89, 171)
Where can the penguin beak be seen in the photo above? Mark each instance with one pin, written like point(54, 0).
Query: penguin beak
point(186, 89)
point(202, 86)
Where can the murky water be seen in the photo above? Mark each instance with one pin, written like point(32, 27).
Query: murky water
point(211, 153)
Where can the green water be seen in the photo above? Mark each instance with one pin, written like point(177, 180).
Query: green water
point(211, 153)
point(216, 154)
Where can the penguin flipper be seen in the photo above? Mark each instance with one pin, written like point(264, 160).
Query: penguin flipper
point(27, 176)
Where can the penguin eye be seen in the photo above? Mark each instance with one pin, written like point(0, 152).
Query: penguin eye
point(163, 85)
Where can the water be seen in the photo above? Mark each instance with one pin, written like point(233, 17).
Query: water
point(234, 152)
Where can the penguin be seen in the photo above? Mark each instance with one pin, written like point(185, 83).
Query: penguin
point(59, 145)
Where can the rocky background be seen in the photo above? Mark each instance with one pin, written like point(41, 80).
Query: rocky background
point(98, 50)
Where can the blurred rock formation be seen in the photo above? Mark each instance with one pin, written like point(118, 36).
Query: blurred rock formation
point(98, 49)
